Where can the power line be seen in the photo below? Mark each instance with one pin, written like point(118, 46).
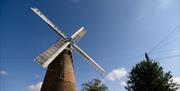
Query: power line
point(163, 51)
point(164, 39)
point(165, 44)
point(168, 57)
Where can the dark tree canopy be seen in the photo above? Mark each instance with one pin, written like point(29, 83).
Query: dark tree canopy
point(94, 85)
point(148, 75)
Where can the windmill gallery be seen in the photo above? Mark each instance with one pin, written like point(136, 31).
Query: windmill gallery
point(58, 59)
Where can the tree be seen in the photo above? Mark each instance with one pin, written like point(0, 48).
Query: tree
point(94, 85)
point(148, 75)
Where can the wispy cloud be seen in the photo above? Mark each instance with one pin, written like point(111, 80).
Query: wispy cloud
point(35, 87)
point(37, 76)
point(123, 83)
point(177, 80)
point(2, 72)
point(140, 17)
point(163, 4)
point(117, 74)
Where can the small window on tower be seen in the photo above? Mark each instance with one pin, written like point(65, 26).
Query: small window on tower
point(61, 76)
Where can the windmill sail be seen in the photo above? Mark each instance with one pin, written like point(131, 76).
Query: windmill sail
point(90, 60)
point(48, 56)
point(78, 35)
point(40, 14)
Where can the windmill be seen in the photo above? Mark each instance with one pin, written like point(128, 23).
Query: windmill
point(58, 59)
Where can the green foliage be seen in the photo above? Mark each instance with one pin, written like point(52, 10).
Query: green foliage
point(148, 75)
point(94, 85)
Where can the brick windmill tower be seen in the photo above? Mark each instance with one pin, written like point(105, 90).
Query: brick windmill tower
point(58, 59)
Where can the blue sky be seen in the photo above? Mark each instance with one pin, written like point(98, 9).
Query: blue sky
point(119, 33)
